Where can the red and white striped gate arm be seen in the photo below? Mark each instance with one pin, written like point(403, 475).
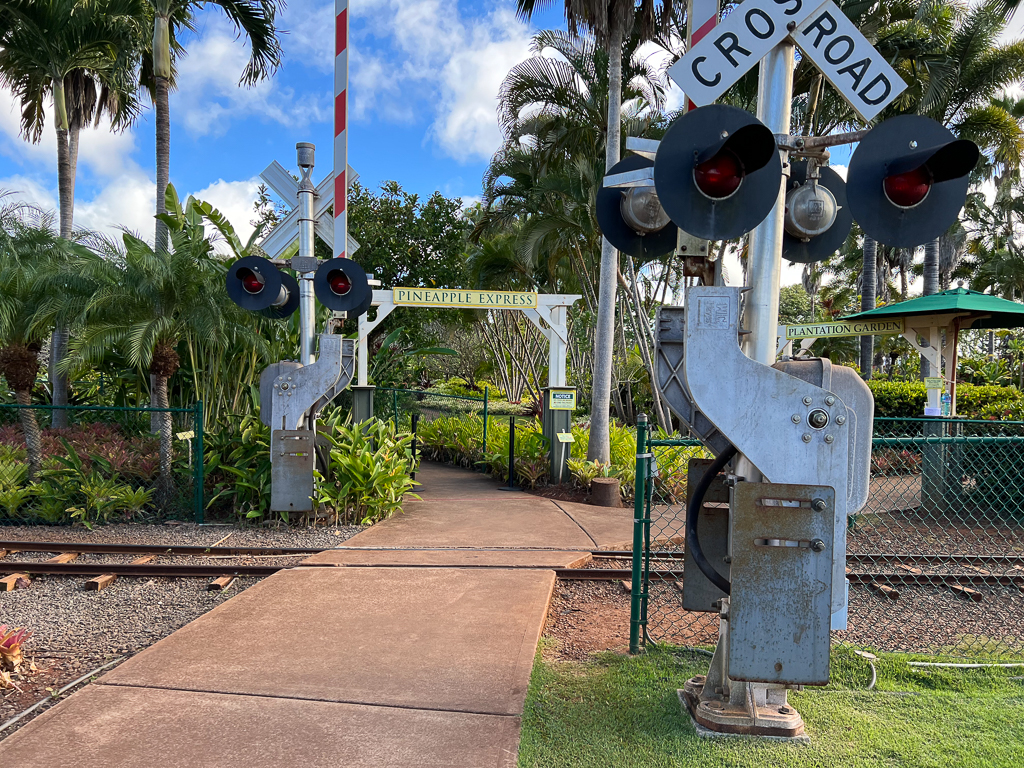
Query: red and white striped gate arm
point(341, 127)
point(702, 18)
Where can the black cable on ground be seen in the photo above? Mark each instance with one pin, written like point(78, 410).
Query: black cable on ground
point(693, 512)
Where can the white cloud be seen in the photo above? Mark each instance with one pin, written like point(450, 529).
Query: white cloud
point(209, 98)
point(99, 150)
point(235, 199)
point(309, 34)
point(411, 53)
point(128, 202)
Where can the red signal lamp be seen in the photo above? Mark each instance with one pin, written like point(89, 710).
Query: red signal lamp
point(339, 282)
point(909, 188)
point(251, 282)
point(719, 176)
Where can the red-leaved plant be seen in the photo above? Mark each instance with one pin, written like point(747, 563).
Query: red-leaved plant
point(11, 641)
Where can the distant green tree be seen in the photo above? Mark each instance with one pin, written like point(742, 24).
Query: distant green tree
point(794, 305)
point(407, 241)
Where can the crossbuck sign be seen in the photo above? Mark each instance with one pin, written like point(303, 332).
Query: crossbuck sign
point(822, 32)
point(283, 239)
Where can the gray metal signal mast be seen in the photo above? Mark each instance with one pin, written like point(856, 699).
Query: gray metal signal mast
point(292, 392)
point(792, 437)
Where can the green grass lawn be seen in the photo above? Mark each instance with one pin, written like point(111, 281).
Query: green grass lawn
point(620, 712)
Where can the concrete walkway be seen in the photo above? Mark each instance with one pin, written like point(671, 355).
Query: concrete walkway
point(411, 646)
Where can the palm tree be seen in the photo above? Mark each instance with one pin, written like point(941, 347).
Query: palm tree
point(80, 57)
point(252, 18)
point(610, 22)
point(27, 245)
point(144, 303)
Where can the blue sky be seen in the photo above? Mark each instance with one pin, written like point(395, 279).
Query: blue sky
point(424, 79)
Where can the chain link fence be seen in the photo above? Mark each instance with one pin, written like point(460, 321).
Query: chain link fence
point(461, 430)
point(935, 560)
point(107, 465)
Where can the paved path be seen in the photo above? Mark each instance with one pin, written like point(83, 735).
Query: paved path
point(399, 650)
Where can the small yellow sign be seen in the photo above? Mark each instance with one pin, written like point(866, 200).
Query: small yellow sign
point(186, 435)
point(457, 297)
point(838, 329)
point(566, 437)
point(562, 399)
point(934, 382)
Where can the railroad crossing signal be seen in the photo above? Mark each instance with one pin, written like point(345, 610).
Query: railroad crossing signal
point(908, 180)
point(717, 172)
point(256, 284)
point(342, 286)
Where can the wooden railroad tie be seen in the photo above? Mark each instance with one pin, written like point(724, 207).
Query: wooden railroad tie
point(976, 569)
point(64, 557)
point(967, 592)
point(14, 581)
point(884, 590)
point(910, 569)
point(220, 583)
point(104, 580)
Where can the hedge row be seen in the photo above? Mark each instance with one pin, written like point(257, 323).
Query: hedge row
point(906, 399)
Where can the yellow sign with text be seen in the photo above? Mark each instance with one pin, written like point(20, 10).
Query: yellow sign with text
point(562, 399)
point(457, 297)
point(839, 329)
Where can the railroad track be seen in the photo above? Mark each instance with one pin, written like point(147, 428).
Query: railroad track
point(63, 564)
point(142, 566)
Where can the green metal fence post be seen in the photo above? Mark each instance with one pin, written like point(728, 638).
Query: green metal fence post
point(486, 390)
point(639, 497)
point(197, 426)
point(394, 405)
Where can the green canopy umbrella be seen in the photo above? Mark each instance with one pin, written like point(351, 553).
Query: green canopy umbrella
point(976, 310)
point(954, 310)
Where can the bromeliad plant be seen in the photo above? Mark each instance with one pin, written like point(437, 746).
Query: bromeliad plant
point(368, 473)
point(11, 642)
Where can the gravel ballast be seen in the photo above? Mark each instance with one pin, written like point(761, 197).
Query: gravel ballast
point(76, 631)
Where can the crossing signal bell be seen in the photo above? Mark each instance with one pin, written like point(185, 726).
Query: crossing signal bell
point(633, 218)
point(817, 220)
point(908, 180)
point(717, 172)
point(256, 284)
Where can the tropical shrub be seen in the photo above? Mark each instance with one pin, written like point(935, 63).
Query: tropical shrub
point(906, 399)
point(112, 483)
point(368, 473)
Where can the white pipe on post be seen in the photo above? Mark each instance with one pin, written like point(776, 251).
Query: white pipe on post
point(307, 299)
point(761, 312)
point(761, 308)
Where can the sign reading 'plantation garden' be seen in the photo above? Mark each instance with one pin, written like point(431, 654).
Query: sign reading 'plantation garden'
point(856, 328)
point(453, 297)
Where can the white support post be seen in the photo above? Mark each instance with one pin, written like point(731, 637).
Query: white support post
point(340, 127)
point(385, 306)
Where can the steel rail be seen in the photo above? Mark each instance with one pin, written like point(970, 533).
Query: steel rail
point(127, 569)
point(909, 579)
point(861, 558)
point(149, 549)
